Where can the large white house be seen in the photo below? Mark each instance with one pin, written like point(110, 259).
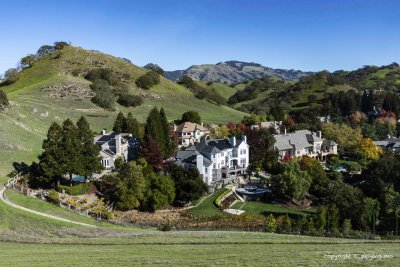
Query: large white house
point(216, 159)
point(113, 145)
point(189, 133)
point(304, 143)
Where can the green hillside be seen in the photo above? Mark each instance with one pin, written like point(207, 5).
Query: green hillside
point(222, 89)
point(260, 94)
point(53, 89)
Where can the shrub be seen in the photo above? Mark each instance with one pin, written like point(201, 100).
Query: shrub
point(104, 99)
point(284, 224)
point(128, 100)
point(60, 45)
point(148, 80)
point(103, 74)
point(165, 227)
point(218, 199)
point(155, 68)
point(270, 224)
point(3, 100)
point(54, 196)
point(76, 190)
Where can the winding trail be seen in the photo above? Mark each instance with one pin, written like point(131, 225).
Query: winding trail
point(8, 202)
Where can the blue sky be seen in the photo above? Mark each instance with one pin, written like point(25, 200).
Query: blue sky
point(300, 34)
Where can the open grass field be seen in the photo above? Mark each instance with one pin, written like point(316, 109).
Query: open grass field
point(269, 250)
point(28, 239)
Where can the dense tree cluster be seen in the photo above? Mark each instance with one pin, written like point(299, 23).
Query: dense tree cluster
point(109, 87)
point(191, 116)
point(67, 151)
point(189, 185)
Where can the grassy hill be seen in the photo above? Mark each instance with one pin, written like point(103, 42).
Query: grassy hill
point(54, 89)
point(259, 94)
point(222, 89)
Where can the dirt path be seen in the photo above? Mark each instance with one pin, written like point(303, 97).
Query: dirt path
point(8, 202)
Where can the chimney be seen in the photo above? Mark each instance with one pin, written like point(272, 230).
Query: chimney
point(174, 127)
point(103, 132)
point(202, 124)
point(244, 138)
point(199, 163)
point(118, 145)
point(232, 140)
point(285, 130)
point(319, 134)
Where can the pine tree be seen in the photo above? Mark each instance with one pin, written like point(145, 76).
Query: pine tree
point(91, 161)
point(72, 149)
point(132, 126)
point(120, 123)
point(153, 129)
point(170, 144)
point(52, 157)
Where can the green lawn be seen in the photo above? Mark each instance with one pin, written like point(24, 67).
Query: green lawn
point(28, 239)
point(261, 208)
point(207, 252)
point(207, 208)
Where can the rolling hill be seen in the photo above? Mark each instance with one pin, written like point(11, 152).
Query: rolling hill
point(259, 94)
point(54, 88)
point(233, 72)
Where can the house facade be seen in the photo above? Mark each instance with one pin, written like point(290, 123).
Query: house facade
point(113, 145)
point(189, 133)
point(304, 143)
point(276, 125)
point(216, 159)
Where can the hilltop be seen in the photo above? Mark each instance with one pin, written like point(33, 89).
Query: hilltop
point(233, 72)
point(54, 88)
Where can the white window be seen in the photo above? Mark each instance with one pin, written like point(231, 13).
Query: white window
point(243, 162)
point(243, 152)
point(214, 166)
point(222, 163)
point(206, 170)
point(213, 156)
point(105, 163)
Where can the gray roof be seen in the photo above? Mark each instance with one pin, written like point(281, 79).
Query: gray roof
point(205, 147)
point(298, 140)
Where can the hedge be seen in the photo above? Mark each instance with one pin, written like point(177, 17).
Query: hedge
point(218, 199)
point(76, 190)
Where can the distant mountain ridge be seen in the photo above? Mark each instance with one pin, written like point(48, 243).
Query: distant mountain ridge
point(234, 72)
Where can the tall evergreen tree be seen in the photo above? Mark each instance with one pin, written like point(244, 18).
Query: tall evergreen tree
point(50, 161)
point(132, 126)
point(169, 142)
point(72, 149)
point(153, 129)
point(120, 123)
point(91, 161)
point(367, 101)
